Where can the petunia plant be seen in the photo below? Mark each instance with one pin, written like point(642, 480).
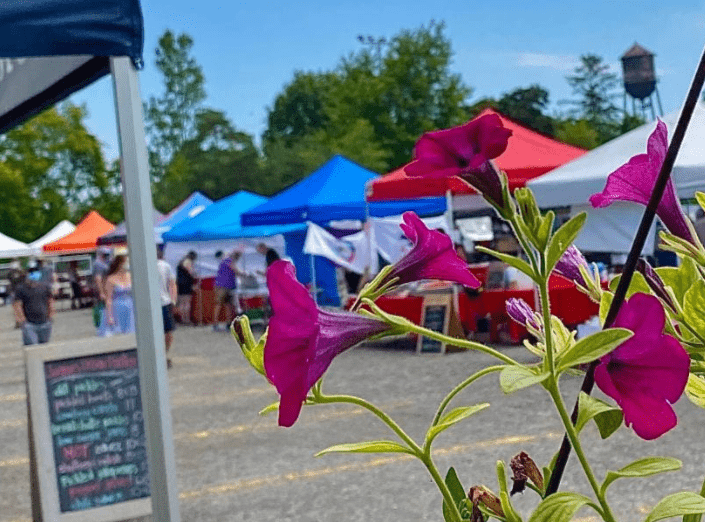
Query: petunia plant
point(650, 351)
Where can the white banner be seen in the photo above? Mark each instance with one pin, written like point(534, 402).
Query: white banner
point(350, 252)
point(392, 244)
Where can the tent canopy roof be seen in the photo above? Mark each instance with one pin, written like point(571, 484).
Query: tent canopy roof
point(13, 248)
point(84, 238)
point(69, 42)
point(63, 228)
point(221, 220)
point(118, 235)
point(335, 191)
point(187, 209)
point(529, 155)
point(575, 182)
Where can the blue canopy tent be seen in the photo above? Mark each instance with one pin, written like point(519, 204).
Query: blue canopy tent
point(221, 220)
point(50, 49)
point(188, 209)
point(335, 191)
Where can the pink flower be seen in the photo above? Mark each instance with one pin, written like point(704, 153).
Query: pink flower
point(432, 257)
point(464, 151)
point(634, 181)
point(648, 372)
point(569, 265)
point(520, 311)
point(303, 339)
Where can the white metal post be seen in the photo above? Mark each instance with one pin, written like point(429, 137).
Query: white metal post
point(154, 384)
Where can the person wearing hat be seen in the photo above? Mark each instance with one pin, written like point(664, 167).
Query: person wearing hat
point(34, 308)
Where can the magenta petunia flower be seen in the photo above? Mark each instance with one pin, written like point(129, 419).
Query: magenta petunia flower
point(634, 181)
point(569, 265)
point(648, 372)
point(432, 257)
point(520, 311)
point(464, 151)
point(303, 339)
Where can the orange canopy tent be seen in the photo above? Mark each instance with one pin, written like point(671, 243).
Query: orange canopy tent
point(84, 238)
point(528, 155)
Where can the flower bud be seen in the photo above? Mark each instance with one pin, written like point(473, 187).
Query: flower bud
point(569, 265)
point(521, 312)
point(251, 349)
point(525, 468)
point(481, 494)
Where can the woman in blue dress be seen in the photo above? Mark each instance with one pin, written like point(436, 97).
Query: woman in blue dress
point(119, 307)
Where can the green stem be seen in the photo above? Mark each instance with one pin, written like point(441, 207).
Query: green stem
point(418, 452)
point(548, 331)
point(460, 387)
point(461, 343)
point(575, 442)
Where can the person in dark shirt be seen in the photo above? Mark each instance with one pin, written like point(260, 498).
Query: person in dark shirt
point(34, 309)
point(270, 255)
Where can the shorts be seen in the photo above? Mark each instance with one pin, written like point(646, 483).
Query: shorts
point(223, 295)
point(168, 318)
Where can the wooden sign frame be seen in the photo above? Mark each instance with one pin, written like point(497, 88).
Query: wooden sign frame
point(41, 445)
point(451, 322)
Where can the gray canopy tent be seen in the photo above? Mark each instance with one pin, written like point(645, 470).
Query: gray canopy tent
point(51, 49)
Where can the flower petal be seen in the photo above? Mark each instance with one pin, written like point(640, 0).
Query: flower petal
point(634, 181)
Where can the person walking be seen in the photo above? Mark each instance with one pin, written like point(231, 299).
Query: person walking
point(34, 309)
point(226, 286)
point(168, 295)
point(185, 280)
point(76, 290)
point(119, 307)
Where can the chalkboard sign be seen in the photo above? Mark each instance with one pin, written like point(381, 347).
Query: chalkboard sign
point(439, 314)
point(88, 426)
point(434, 318)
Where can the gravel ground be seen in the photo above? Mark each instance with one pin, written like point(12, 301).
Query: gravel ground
point(234, 465)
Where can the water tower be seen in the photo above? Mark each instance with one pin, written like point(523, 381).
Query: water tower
point(640, 81)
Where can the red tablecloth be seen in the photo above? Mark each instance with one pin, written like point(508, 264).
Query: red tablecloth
point(568, 303)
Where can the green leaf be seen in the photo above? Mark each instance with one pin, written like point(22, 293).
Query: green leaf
point(456, 490)
point(700, 197)
point(592, 347)
point(589, 407)
point(372, 446)
point(513, 261)
point(545, 228)
point(642, 468)
point(514, 378)
point(694, 307)
point(269, 409)
point(695, 390)
point(453, 417)
point(608, 422)
point(559, 507)
point(605, 303)
point(562, 239)
point(680, 279)
point(637, 284)
point(677, 504)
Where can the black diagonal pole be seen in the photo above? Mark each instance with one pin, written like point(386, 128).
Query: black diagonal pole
point(639, 241)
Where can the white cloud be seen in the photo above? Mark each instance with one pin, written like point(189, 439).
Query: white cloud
point(558, 62)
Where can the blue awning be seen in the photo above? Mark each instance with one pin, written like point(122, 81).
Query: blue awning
point(50, 49)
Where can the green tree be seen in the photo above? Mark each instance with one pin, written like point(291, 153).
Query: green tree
point(580, 133)
point(528, 106)
point(371, 107)
point(170, 119)
point(54, 167)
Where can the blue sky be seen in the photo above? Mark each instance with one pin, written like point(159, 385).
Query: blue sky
point(250, 49)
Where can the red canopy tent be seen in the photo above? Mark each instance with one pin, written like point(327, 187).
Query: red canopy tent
point(528, 156)
point(84, 238)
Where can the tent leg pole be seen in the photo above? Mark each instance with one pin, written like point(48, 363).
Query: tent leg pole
point(151, 357)
point(314, 289)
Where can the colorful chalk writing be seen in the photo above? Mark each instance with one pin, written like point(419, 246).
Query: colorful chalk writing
point(97, 430)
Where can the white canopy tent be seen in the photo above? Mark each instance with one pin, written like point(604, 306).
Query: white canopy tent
point(62, 229)
point(12, 248)
point(572, 184)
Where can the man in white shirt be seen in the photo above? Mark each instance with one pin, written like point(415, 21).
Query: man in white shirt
point(167, 294)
